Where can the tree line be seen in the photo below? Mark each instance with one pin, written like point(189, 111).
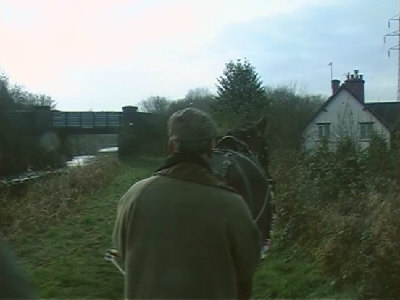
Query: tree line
point(21, 150)
point(242, 96)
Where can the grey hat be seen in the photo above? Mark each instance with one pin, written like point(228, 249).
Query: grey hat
point(191, 125)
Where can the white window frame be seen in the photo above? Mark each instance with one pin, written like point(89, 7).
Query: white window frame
point(324, 130)
point(366, 129)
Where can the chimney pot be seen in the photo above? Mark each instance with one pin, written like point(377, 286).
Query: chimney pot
point(355, 84)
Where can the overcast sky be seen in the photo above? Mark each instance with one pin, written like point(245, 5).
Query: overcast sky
point(105, 54)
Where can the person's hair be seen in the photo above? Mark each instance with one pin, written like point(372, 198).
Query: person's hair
point(192, 131)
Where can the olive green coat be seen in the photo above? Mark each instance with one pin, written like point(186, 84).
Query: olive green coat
point(183, 234)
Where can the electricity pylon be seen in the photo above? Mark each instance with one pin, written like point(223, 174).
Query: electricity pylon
point(395, 48)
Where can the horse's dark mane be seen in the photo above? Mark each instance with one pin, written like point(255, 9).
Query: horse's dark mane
point(248, 133)
point(249, 129)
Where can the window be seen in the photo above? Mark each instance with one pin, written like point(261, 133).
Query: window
point(366, 130)
point(324, 130)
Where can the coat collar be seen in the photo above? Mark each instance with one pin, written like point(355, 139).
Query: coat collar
point(192, 169)
point(178, 158)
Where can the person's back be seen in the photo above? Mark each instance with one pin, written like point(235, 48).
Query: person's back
point(183, 234)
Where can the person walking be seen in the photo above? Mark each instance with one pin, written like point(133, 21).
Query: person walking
point(182, 233)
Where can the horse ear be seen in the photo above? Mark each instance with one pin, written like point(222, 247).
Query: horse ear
point(261, 124)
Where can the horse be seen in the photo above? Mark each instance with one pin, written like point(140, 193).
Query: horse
point(240, 159)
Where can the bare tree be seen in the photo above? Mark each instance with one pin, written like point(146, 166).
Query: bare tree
point(154, 104)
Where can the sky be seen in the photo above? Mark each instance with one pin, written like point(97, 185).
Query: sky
point(101, 55)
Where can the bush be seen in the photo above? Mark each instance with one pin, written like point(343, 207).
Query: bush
point(342, 208)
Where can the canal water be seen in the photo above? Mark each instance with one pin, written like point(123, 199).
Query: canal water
point(76, 161)
point(82, 160)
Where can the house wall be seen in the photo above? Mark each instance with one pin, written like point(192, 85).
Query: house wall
point(344, 113)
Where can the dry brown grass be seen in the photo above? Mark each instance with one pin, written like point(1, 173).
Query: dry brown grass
point(33, 206)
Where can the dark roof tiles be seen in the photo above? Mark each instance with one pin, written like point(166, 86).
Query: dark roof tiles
point(387, 112)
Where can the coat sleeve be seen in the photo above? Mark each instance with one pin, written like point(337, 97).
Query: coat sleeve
point(125, 214)
point(245, 246)
point(119, 236)
point(123, 221)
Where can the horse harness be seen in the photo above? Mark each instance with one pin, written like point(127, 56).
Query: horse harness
point(227, 158)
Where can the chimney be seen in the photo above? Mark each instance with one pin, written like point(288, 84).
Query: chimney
point(355, 84)
point(335, 84)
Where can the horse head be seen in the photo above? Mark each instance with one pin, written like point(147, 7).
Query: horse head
point(249, 138)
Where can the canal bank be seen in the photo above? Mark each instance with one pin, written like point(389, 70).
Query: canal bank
point(75, 161)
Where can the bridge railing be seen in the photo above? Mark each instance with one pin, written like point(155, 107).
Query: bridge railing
point(61, 119)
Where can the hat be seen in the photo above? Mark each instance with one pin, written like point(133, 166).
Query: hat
point(191, 125)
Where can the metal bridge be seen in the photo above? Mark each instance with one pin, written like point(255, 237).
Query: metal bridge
point(42, 119)
point(87, 122)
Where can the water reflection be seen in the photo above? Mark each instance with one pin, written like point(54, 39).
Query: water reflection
point(108, 149)
point(80, 160)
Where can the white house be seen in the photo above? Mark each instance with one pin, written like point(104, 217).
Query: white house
point(345, 114)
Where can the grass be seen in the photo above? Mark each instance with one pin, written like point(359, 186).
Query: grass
point(64, 256)
point(66, 260)
point(282, 275)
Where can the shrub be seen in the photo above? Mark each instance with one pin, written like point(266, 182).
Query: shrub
point(342, 207)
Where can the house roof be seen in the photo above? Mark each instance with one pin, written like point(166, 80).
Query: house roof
point(387, 112)
point(330, 99)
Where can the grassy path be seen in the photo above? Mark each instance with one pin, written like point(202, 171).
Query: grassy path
point(66, 260)
point(281, 275)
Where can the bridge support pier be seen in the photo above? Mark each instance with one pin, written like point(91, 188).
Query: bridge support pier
point(128, 142)
point(42, 116)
